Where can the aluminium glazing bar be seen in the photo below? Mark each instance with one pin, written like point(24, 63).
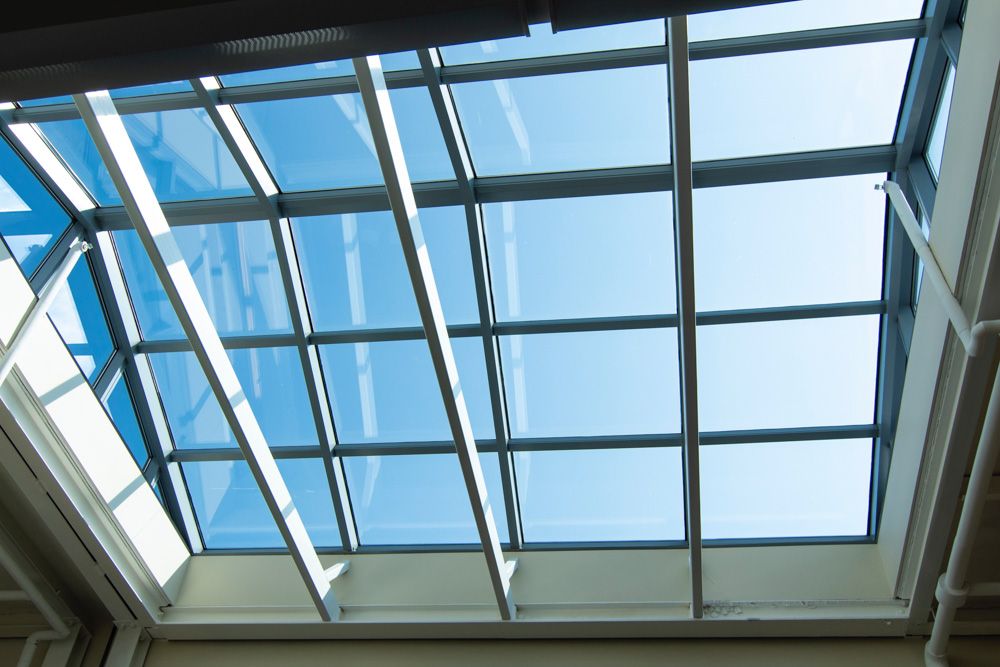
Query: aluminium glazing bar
point(235, 136)
point(554, 185)
point(382, 122)
point(683, 193)
point(119, 156)
point(461, 162)
point(542, 66)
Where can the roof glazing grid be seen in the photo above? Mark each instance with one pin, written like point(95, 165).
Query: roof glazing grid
point(580, 431)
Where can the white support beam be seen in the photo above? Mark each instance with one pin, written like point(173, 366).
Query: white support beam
point(382, 121)
point(680, 141)
point(120, 157)
point(46, 296)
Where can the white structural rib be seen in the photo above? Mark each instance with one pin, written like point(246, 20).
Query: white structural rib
point(680, 136)
point(952, 588)
point(378, 108)
point(120, 158)
point(41, 308)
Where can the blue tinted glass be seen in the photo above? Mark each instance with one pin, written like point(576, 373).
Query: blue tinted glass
point(935, 141)
point(79, 317)
point(294, 73)
point(132, 91)
point(122, 411)
point(594, 383)
point(271, 379)
point(785, 489)
point(315, 143)
point(802, 15)
point(419, 499)
point(581, 257)
point(231, 511)
point(818, 372)
point(775, 102)
point(387, 391)
point(400, 61)
point(599, 495)
point(355, 275)
point(612, 118)
point(42, 101)
point(821, 244)
point(30, 219)
point(543, 43)
point(235, 267)
point(181, 152)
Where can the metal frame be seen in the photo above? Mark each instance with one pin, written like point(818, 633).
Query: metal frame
point(470, 191)
point(119, 156)
point(389, 149)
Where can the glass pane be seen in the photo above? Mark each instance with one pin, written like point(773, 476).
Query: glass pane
point(802, 15)
point(935, 141)
point(818, 372)
point(599, 495)
point(543, 43)
point(78, 315)
point(387, 391)
point(271, 379)
point(785, 489)
point(231, 511)
point(789, 243)
point(132, 91)
point(235, 267)
point(355, 275)
point(797, 100)
point(323, 70)
point(30, 219)
point(419, 499)
point(593, 383)
point(181, 152)
point(315, 143)
point(918, 264)
point(582, 257)
point(122, 411)
point(612, 118)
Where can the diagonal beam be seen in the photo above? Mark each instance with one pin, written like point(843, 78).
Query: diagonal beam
point(461, 162)
point(680, 134)
point(378, 108)
point(265, 190)
point(122, 161)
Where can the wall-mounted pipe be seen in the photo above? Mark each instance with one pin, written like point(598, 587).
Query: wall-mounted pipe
point(952, 589)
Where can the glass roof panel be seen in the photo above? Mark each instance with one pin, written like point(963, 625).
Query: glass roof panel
point(419, 499)
point(581, 257)
point(315, 143)
point(592, 383)
point(30, 219)
point(231, 511)
point(610, 118)
point(600, 495)
point(818, 372)
point(543, 42)
point(785, 489)
point(181, 152)
point(322, 70)
point(271, 379)
point(355, 276)
point(79, 317)
point(122, 410)
point(935, 141)
point(235, 267)
point(789, 243)
point(118, 93)
point(387, 391)
point(801, 15)
point(775, 103)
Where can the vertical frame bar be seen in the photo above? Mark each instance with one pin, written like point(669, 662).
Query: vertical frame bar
point(680, 143)
point(382, 122)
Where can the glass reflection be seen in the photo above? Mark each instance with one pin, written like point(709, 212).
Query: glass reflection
point(78, 316)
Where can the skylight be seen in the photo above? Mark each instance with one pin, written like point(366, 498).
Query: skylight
point(557, 283)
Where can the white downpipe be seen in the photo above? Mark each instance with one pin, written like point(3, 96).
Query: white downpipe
point(952, 589)
point(60, 629)
point(46, 296)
